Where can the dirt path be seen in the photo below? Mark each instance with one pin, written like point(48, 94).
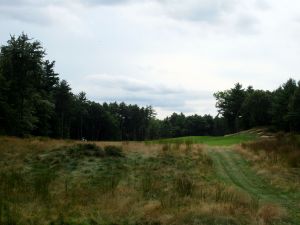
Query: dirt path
point(233, 169)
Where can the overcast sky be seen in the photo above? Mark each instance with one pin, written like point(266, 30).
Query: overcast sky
point(171, 54)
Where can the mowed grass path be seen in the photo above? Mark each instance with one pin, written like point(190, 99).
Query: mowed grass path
point(233, 169)
point(210, 140)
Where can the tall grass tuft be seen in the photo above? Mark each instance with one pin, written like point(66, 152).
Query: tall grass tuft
point(42, 177)
point(113, 151)
point(283, 148)
point(149, 184)
point(184, 185)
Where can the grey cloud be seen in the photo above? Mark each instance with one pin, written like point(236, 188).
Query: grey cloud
point(263, 4)
point(106, 88)
point(201, 10)
point(131, 85)
point(192, 10)
point(13, 2)
point(22, 3)
point(247, 24)
point(33, 11)
point(25, 14)
point(103, 2)
point(26, 10)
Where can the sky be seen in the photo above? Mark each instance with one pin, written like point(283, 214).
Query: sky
point(170, 54)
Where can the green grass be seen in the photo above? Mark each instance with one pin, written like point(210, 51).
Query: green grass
point(209, 140)
point(55, 182)
point(233, 169)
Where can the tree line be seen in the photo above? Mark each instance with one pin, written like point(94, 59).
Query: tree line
point(34, 101)
point(246, 108)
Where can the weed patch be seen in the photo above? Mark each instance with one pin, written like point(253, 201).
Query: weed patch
point(113, 151)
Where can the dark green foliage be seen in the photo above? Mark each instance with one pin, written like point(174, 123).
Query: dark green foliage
point(293, 115)
point(63, 110)
point(81, 150)
point(229, 105)
point(282, 97)
point(34, 101)
point(244, 109)
point(21, 69)
point(113, 151)
point(255, 110)
point(179, 125)
point(62, 221)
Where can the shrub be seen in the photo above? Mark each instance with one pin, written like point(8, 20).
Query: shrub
point(113, 151)
point(293, 159)
point(89, 149)
point(166, 147)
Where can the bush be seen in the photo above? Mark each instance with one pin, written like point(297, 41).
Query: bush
point(113, 151)
point(86, 150)
point(293, 159)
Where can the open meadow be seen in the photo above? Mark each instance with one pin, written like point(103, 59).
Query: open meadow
point(46, 181)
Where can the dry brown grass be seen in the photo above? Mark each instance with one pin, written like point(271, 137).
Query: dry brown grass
point(153, 184)
point(270, 213)
point(277, 159)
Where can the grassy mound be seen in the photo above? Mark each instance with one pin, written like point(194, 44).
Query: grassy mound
point(212, 141)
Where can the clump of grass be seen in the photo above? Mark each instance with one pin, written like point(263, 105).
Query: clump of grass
point(149, 184)
point(283, 148)
point(8, 214)
point(13, 187)
point(107, 183)
point(269, 214)
point(184, 185)
point(113, 151)
point(208, 220)
point(228, 194)
point(80, 150)
point(166, 147)
point(108, 174)
point(42, 177)
point(206, 160)
point(188, 145)
point(222, 194)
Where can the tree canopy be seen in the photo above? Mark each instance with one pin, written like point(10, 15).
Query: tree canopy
point(34, 101)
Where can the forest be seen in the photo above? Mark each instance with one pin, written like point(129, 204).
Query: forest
point(35, 101)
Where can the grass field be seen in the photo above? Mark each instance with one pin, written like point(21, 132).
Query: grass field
point(212, 141)
point(175, 181)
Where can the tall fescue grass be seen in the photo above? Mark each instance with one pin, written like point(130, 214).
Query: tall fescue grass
point(283, 148)
point(277, 159)
point(44, 181)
